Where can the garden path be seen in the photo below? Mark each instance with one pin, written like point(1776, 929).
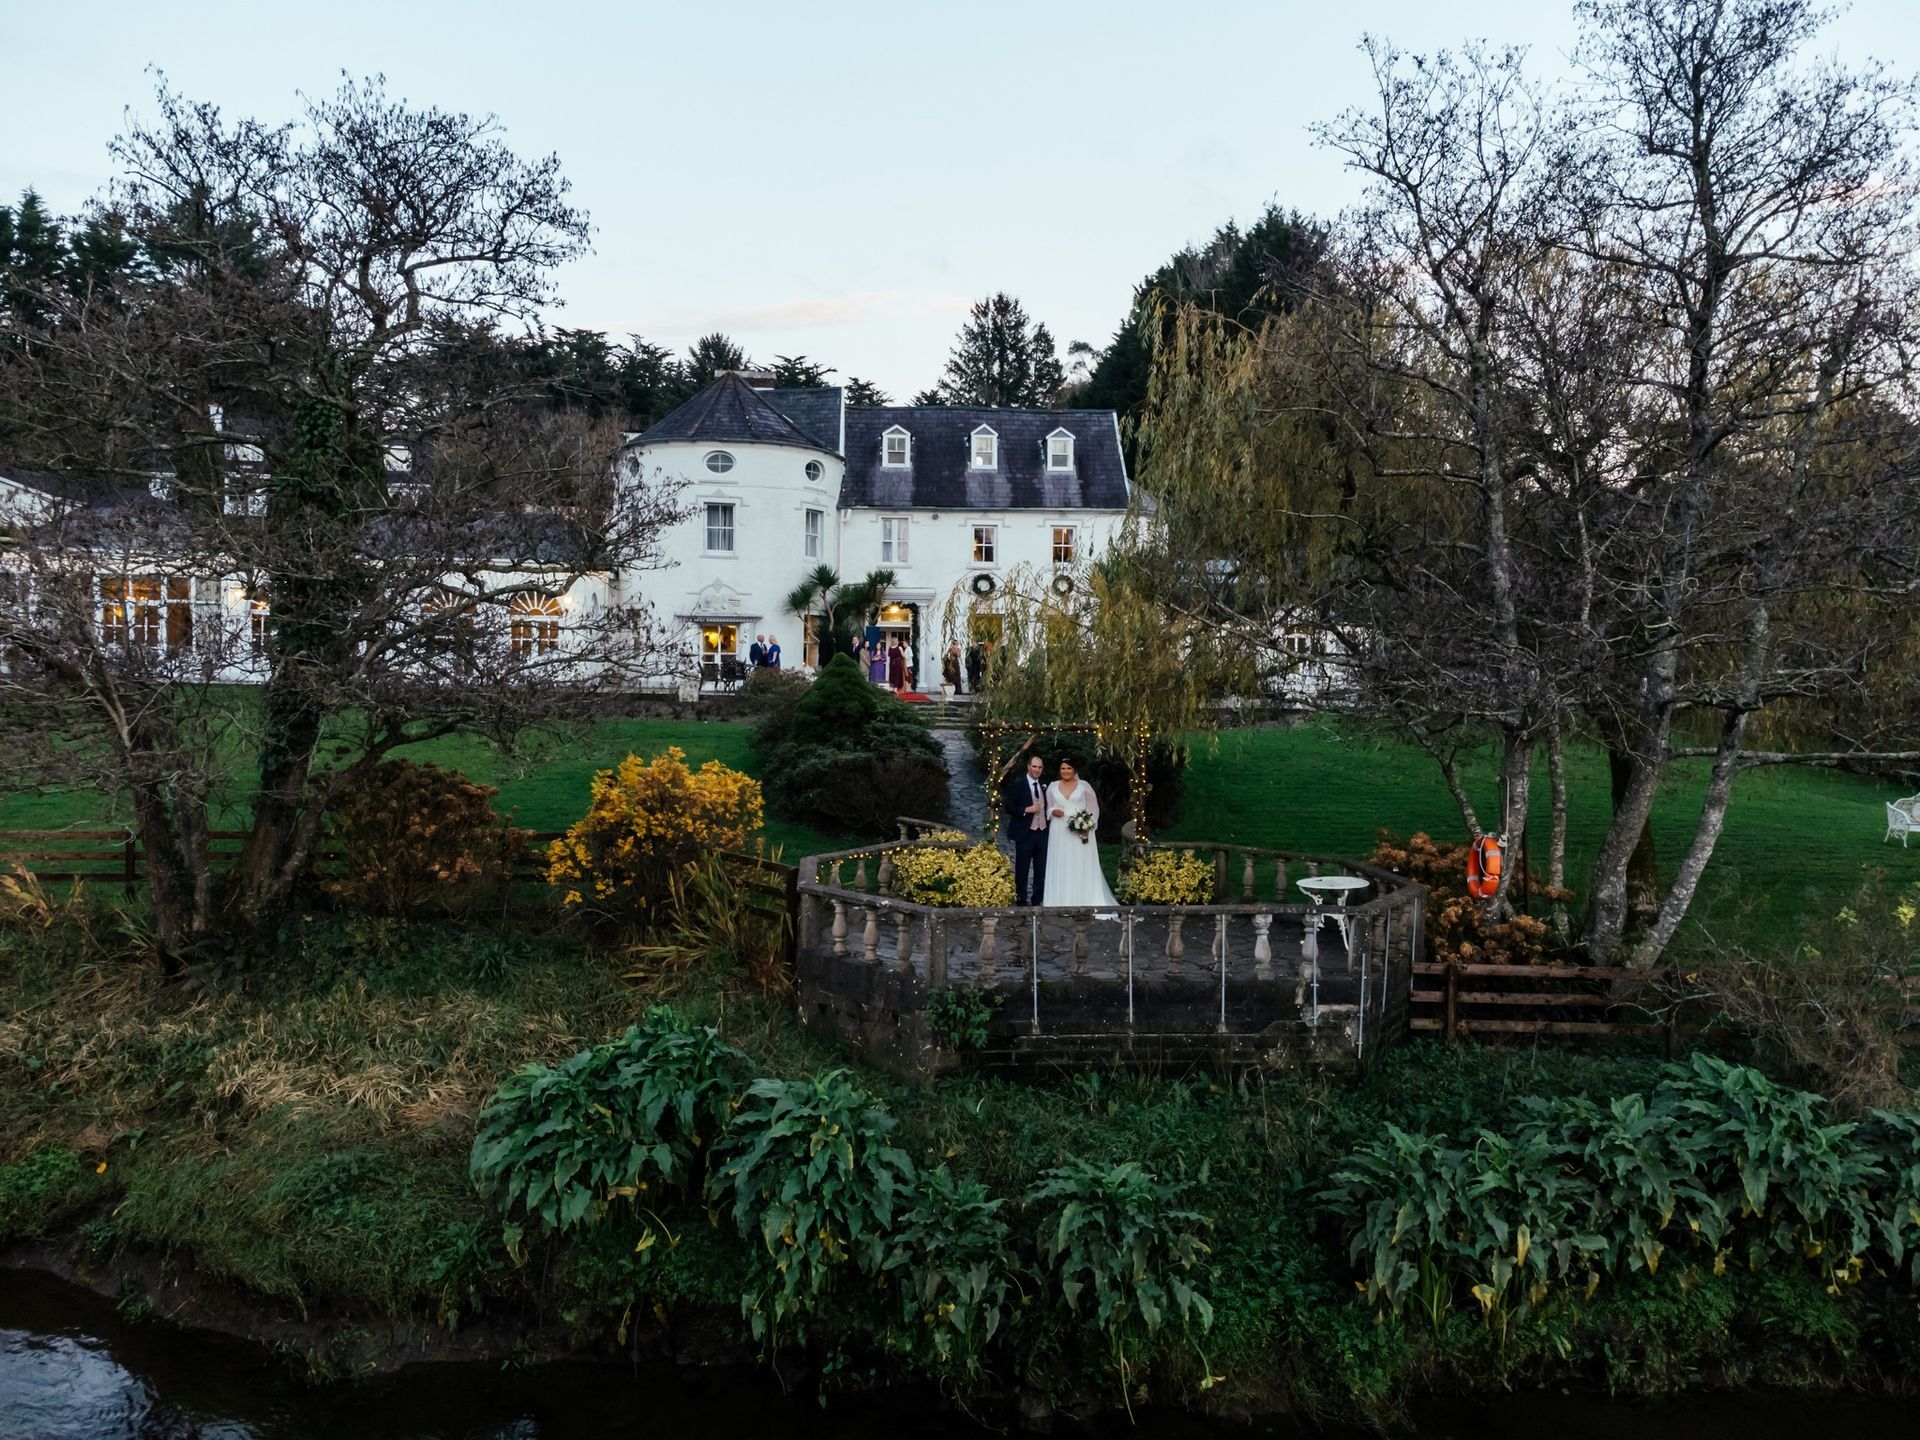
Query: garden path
point(966, 782)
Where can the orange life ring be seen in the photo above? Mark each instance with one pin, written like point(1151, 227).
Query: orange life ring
point(1483, 868)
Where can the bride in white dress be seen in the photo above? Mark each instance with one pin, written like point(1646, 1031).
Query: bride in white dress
point(1073, 864)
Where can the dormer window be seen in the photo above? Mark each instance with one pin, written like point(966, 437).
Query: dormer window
point(986, 449)
point(896, 448)
point(1060, 450)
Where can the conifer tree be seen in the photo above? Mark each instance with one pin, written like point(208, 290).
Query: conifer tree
point(1002, 358)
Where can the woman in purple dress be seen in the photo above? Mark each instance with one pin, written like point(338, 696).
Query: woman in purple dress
point(877, 664)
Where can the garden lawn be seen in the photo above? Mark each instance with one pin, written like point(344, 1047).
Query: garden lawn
point(1798, 843)
point(544, 785)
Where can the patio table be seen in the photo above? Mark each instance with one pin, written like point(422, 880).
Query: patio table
point(1322, 888)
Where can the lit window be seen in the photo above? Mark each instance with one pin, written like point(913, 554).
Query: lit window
point(896, 447)
point(893, 540)
point(815, 469)
point(720, 528)
point(986, 546)
point(719, 641)
point(1060, 451)
point(986, 449)
point(719, 461)
point(147, 612)
point(815, 519)
point(259, 615)
point(1063, 550)
point(533, 625)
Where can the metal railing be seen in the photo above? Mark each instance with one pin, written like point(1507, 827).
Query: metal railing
point(1284, 958)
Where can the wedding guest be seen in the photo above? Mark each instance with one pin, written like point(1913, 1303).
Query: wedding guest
point(757, 652)
point(950, 668)
point(974, 665)
point(897, 666)
point(771, 659)
point(876, 660)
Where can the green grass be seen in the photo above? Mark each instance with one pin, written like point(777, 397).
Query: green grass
point(544, 784)
point(1798, 842)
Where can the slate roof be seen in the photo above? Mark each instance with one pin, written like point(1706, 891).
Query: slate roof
point(730, 411)
point(940, 477)
point(816, 411)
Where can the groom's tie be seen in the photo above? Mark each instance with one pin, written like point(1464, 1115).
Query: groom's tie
point(1033, 797)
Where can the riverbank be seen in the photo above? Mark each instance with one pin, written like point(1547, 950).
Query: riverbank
point(71, 1364)
point(291, 1150)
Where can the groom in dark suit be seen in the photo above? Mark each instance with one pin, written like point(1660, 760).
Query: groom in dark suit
point(1023, 799)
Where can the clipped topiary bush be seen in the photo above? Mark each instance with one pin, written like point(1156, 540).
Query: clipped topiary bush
point(977, 878)
point(847, 756)
point(1165, 877)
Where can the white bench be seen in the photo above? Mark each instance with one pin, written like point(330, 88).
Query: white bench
point(1903, 818)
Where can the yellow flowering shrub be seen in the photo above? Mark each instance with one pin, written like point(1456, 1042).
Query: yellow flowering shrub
point(1165, 877)
point(977, 878)
point(646, 831)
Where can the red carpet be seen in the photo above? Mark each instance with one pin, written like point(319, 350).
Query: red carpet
point(913, 697)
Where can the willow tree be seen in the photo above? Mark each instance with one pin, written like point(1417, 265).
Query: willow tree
point(1603, 417)
point(1094, 647)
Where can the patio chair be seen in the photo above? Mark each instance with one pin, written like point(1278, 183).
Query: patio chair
point(1903, 818)
point(732, 673)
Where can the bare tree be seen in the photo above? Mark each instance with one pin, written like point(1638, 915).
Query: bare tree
point(1758, 213)
point(269, 464)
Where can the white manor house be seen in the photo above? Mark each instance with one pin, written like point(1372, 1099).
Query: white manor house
point(950, 498)
point(778, 483)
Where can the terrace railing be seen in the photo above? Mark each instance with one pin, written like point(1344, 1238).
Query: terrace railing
point(1243, 965)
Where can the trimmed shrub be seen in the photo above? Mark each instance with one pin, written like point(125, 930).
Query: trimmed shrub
point(650, 825)
point(977, 878)
point(415, 837)
point(1165, 877)
point(847, 756)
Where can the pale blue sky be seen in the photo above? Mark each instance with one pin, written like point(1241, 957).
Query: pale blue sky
point(834, 179)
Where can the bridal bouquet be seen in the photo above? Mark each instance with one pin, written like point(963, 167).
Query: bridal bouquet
point(1082, 823)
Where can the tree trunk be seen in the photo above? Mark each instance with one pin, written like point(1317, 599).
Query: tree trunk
point(1713, 815)
point(1643, 865)
point(1557, 840)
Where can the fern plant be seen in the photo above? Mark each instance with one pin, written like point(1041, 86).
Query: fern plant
point(625, 1120)
point(815, 1180)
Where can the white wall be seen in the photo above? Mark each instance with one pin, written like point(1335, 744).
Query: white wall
point(940, 558)
point(770, 494)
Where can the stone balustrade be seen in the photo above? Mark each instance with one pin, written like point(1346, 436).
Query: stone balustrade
point(1262, 977)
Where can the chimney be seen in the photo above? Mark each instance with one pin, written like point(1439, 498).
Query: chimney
point(756, 379)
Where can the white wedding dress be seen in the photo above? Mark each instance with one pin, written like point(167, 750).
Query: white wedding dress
point(1073, 865)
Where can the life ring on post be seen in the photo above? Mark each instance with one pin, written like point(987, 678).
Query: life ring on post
point(1483, 868)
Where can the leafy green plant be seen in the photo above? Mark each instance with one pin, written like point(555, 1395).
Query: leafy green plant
point(815, 1180)
point(948, 1254)
point(558, 1144)
point(958, 1018)
point(1717, 1161)
point(1125, 1256)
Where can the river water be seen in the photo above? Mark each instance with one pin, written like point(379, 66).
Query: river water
point(72, 1369)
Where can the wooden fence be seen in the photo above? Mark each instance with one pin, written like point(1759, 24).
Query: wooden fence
point(116, 858)
point(1466, 1001)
